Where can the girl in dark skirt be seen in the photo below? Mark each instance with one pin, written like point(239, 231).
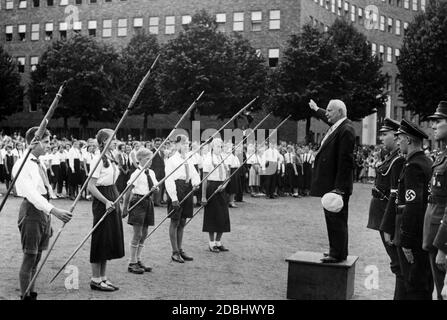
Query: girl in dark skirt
point(216, 219)
point(8, 161)
point(107, 240)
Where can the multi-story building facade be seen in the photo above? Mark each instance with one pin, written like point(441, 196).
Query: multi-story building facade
point(27, 27)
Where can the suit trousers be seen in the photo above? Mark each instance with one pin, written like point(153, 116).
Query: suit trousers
point(399, 287)
point(337, 230)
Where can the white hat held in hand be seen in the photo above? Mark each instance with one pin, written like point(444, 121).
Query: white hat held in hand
point(332, 202)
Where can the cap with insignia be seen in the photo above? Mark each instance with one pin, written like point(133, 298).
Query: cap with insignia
point(441, 111)
point(409, 128)
point(389, 125)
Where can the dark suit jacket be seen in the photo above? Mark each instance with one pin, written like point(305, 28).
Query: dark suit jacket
point(158, 165)
point(334, 162)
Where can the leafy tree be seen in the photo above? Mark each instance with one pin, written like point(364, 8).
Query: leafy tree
point(11, 92)
point(92, 70)
point(137, 58)
point(202, 58)
point(324, 66)
point(422, 63)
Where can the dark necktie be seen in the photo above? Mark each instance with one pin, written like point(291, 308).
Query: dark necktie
point(149, 179)
point(43, 175)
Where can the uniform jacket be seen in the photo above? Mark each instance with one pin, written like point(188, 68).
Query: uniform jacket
point(387, 175)
point(412, 200)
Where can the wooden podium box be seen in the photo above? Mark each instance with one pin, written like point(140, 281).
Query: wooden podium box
point(310, 279)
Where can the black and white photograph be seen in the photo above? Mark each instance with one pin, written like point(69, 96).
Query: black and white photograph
point(223, 155)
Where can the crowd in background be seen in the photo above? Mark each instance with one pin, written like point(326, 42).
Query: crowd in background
point(68, 163)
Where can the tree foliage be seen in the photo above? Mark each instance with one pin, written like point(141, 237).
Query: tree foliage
point(11, 92)
point(422, 63)
point(321, 66)
point(202, 58)
point(92, 70)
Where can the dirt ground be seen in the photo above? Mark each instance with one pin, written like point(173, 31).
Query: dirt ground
point(263, 234)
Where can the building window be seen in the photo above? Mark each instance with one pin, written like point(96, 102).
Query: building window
point(396, 53)
point(92, 1)
point(78, 1)
point(390, 25)
point(275, 20)
point(415, 5)
point(63, 3)
point(48, 31)
point(327, 4)
point(35, 32)
point(122, 27)
point(388, 83)
point(339, 7)
point(9, 4)
point(373, 49)
point(398, 27)
point(256, 20)
point(407, 4)
point(21, 64)
point(353, 12)
point(138, 25)
point(333, 6)
point(346, 8)
point(22, 32)
point(106, 28)
point(77, 26)
point(92, 28)
point(360, 14)
point(382, 23)
point(238, 21)
point(63, 30)
point(153, 25)
point(170, 25)
point(186, 19)
point(36, 3)
point(389, 54)
point(22, 4)
point(405, 26)
point(34, 61)
point(381, 52)
point(273, 57)
point(50, 3)
point(398, 3)
point(221, 19)
point(8, 33)
point(423, 5)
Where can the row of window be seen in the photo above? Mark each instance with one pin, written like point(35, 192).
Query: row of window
point(341, 7)
point(153, 26)
point(358, 14)
point(23, 4)
point(381, 53)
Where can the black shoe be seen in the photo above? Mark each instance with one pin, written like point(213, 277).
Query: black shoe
point(213, 249)
point(176, 257)
point(330, 259)
point(33, 295)
point(142, 266)
point(185, 256)
point(135, 268)
point(222, 248)
point(111, 285)
point(102, 286)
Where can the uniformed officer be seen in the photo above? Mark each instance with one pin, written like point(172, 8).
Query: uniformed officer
point(435, 232)
point(384, 195)
point(412, 198)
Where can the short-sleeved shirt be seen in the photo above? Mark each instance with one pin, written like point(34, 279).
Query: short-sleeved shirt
point(141, 186)
point(106, 176)
point(214, 161)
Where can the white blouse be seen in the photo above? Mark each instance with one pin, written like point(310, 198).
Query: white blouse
point(105, 176)
point(141, 186)
point(211, 162)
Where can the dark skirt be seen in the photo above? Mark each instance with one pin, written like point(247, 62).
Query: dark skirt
point(108, 238)
point(291, 180)
point(216, 217)
point(56, 171)
point(2, 173)
point(121, 182)
point(307, 169)
point(186, 208)
point(234, 185)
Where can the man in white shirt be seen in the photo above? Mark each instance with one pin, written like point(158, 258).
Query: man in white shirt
point(183, 180)
point(34, 216)
point(270, 168)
